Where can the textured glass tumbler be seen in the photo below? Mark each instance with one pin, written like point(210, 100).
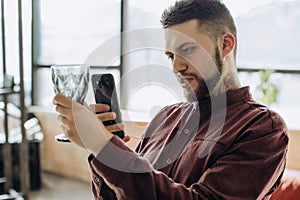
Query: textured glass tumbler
point(72, 82)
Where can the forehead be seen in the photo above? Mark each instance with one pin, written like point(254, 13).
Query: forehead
point(187, 32)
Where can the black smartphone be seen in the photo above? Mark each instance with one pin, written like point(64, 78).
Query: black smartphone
point(105, 93)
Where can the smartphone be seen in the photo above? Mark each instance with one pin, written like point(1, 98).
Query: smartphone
point(105, 93)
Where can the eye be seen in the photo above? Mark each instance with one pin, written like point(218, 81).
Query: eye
point(187, 50)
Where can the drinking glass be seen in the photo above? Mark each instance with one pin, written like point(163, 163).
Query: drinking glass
point(72, 82)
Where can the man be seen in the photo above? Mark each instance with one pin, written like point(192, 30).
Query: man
point(221, 144)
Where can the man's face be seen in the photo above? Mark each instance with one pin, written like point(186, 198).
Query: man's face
point(195, 59)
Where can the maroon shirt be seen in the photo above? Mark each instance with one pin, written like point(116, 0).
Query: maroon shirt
point(229, 147)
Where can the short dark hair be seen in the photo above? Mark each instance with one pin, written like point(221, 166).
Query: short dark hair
point(213, 17)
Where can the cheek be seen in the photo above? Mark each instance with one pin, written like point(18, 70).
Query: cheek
point(203, 63)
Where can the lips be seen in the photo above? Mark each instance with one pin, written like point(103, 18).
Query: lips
point(189, 79)
point(185, 80)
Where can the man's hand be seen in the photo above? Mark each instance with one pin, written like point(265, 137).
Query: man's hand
point(104, 115)
point(64, 108)
point(82, 126)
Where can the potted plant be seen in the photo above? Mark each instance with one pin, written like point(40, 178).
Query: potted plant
point(268, 90)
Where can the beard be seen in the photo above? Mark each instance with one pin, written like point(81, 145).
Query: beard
point(205, 86)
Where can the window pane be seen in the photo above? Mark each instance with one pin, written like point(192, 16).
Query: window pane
point(12, 57)
point(268, 33)
point(11, 37)
point(148, 81)
point(67, 31)
point(149, 11)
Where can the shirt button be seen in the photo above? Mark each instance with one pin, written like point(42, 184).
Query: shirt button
point(186, 131)
point(97, 179)
point(169, 161)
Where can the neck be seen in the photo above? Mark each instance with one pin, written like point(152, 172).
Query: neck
point(229, 79)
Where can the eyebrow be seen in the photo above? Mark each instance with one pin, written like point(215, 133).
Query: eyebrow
point(180, 47)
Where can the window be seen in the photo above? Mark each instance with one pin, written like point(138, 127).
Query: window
point(148, 81)
point(68, 32)
point(11, 59)
point(268, 39)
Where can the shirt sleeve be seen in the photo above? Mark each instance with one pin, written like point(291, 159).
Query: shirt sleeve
point(99, 188)
point(133, 177)
point(236, 175)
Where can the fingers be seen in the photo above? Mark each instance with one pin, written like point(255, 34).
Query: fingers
point(61, 100)
point(66, 124)
point(126, 138)
point(115, 127)
point(65, 107)
point(63, 111)
point(118, 127)
point(106, 116)
point(99, 108)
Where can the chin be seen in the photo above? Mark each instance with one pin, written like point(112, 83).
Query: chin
point(190, 96)
point(197, 94)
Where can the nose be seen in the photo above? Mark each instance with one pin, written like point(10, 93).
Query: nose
point(179, 64)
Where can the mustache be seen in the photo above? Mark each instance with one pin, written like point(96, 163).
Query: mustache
point(180, 75)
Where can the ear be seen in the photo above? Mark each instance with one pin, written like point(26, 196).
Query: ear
point(228, 44)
